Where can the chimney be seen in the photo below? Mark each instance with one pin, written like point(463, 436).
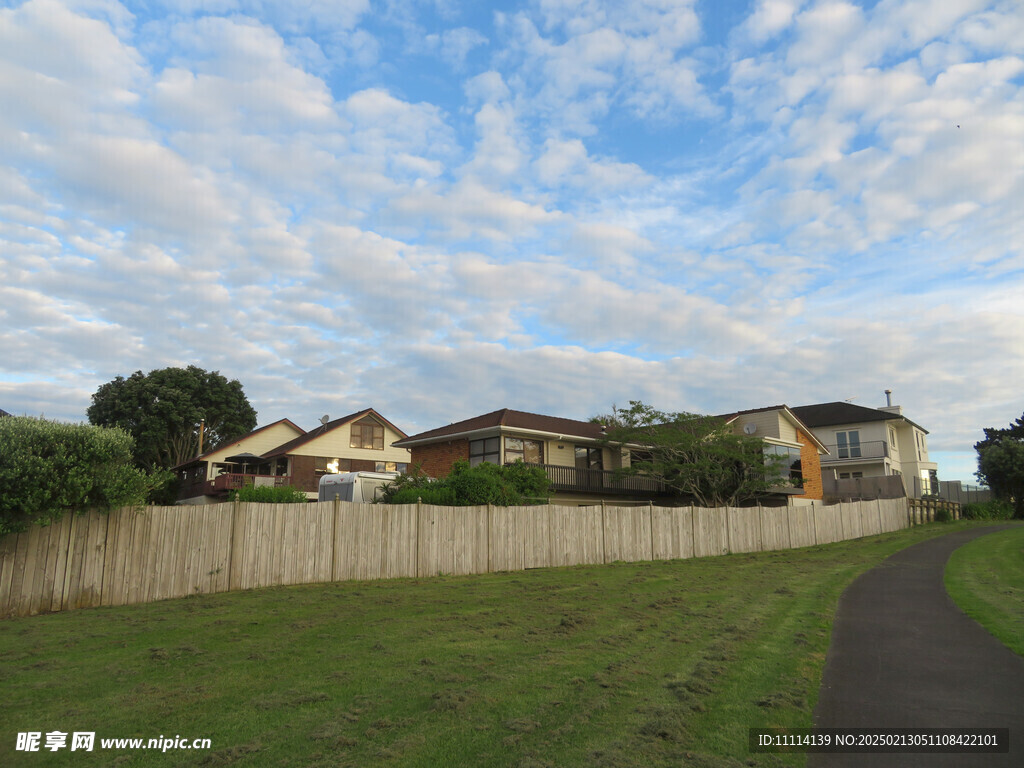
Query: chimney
point(889, 407)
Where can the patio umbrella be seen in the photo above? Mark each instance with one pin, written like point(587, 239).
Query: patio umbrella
point(244, 459)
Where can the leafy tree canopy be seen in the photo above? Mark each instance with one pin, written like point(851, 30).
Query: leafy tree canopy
point(161, 410)
point(1001, 464)
point(505, 486)
point(697, 456)
point(48, 468)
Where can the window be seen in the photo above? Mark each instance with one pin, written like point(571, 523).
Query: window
point(367, 433)
point(785, 460)
point(520, 449)
point(848, 444)
point(589, 458)
point(892, 439)
point(328, 466)
point(484, 450)
point(849, 475)
point(391, 466)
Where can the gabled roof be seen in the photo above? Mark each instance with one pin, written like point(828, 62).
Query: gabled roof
point(202, 456)
point(3, 413)
point(511, 420)
point(320, 431)
point(789, 413)
point(828, 414)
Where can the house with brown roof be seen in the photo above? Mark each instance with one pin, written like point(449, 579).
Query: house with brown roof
point(285, 454)
point(582, 467)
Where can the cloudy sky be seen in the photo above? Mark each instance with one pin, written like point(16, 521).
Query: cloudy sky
point(441, 208)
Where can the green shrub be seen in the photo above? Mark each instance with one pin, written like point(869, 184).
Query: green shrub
point(943, 515)
point(997, 509)
point(269, 494)
point(509, 485)
point(48, 468)
point(438, 495)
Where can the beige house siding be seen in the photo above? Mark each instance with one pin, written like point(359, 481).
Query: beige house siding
point(257, 444)
point(768, 423)
point(337, 444)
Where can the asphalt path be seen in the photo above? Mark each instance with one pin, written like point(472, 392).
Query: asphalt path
point(903, 655)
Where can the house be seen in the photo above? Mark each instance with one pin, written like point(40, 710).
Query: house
point(581, 469)
point(284, 454)
point(867, 442)
point(3, 413)
point(786, 436)
point(579, 465)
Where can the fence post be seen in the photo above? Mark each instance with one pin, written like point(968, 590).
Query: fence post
point(604, 545)
point(650, 516)
point(419, 517)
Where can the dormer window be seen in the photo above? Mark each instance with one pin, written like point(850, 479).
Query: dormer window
point(367, 433)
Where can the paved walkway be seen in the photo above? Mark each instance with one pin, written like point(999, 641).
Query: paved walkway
point(903, 655)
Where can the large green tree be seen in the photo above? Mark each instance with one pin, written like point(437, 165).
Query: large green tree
point(1001, 464)
point(48, 468)
point(697, 456)
point(162, 409)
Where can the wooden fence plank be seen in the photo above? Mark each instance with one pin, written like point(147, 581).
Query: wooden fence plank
point(744, 529)
point(709, 532)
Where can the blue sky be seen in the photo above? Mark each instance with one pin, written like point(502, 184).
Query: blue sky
point(439, 209)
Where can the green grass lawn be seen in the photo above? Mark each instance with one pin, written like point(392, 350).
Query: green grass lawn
point(649, 664)
point(986, 579)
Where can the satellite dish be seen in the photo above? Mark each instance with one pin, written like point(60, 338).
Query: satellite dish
point(324, 419)
point(750, 428)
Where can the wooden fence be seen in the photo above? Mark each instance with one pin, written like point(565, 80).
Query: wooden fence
point(138, 556)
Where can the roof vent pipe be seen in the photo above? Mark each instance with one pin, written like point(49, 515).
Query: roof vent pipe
point(888, 398)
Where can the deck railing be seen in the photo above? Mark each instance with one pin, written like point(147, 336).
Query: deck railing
point(230, 481)
point(872, 449)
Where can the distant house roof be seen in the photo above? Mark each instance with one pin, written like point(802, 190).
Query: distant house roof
point(291, 445)
point(505, 417)
point(3, 413)
point(828, 414)
point(289, 422)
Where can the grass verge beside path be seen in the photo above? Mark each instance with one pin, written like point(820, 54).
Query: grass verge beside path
point(985, 578)
point(643, 664)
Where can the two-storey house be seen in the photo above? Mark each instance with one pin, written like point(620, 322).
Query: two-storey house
point(872, 442)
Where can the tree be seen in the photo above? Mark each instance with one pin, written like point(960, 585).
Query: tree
point(48, 468)
point(697, 456)
point(505, 486)
point(161, 411)
point(1001, 464)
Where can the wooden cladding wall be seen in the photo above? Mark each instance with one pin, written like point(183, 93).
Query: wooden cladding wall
point(138, 556)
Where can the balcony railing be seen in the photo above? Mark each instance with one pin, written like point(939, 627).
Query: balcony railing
point(873, 449)
point(222, 485)
point(598, 481)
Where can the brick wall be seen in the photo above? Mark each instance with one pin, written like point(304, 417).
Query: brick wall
point(810, 464)
point(436, 460)
point(304, 475)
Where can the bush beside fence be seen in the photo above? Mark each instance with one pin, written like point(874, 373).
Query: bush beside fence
point(137, 556)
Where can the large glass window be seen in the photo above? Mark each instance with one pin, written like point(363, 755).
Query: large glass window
point(484, 450)
point(327, 466)
point(367, 433)
point(589, 458)
point(848, 444)
point(784, 460)
point(520, 449)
